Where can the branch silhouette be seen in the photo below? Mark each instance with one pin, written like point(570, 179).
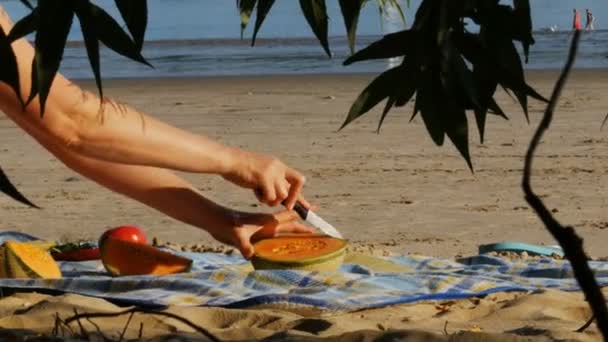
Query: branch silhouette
point(566, 236)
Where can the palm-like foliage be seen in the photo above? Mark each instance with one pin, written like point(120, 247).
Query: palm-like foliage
point(446, 68)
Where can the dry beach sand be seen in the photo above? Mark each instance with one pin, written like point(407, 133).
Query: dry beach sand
point(389, 193)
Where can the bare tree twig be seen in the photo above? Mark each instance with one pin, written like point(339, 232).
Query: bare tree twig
point(571, 243)
point(586, 325)
point(196, 327)
point(141, 330)
point(124, 330)
point(103, 336)
point(83, 331)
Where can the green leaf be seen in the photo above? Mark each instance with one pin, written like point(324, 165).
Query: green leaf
point(424, 14)
point(379, 89)
point(430, 96)
point(351, 10)
point(383, 4)
point(89, 34)
point(404, 89)
point(264, 7)
point(495, 109)
point(113, 36)
point(245, 9)
point(315, 12)
point(416, 107)
point(486, 85)
point(392, 45)
point(523, 24)
point(407, 85)
point(34, 85)
point(24, 26)
point(456, 129)
point(135, 15)
point(54, 25)
point(9, 189)
point(511, 75)
point(9, 72)
point(457, 79)
point(389, 104)
point(27, 4)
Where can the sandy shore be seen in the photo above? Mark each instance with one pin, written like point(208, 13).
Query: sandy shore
point(393, 192)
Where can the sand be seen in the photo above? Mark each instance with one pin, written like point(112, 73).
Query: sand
point(389, 193)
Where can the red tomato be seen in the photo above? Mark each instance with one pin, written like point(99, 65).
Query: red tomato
point(128, 233)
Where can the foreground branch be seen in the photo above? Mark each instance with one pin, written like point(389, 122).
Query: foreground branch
point(571, 243)
point(90, 315)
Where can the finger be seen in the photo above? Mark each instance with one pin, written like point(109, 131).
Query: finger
point(281, 191)
point(244, 245)
point(306, 204)
point(259, 194)
point(296, 183)
point(295, 227)
point(267, 194)
point(286, 216)
point(266, 232)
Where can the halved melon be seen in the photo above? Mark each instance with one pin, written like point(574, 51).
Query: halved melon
point(26, 260)
point(121, 257)
point(310, 252)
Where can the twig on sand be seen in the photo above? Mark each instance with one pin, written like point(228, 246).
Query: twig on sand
point(571, 243)
point(90, 315)
point(124, 330)
point(98, 329)
point(586, 325)
point(61, 324)
point(141, 330)
point(83, 331)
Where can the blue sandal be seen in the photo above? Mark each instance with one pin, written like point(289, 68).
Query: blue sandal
point(519, 247)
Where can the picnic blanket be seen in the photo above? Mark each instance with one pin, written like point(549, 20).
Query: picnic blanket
point(362, 282)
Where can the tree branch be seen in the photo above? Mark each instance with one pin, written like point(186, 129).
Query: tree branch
point(90, 315)
point(571, 243)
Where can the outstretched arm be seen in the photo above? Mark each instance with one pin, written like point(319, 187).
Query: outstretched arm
point(165, 191)
point(74, 119)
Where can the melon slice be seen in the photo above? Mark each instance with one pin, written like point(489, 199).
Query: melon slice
point(26, 260)
point(121, 257)
point(310, 252)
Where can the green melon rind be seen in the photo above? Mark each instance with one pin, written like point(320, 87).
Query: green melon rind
point(327, 262)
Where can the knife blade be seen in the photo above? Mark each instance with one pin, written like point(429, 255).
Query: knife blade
point(316, 221)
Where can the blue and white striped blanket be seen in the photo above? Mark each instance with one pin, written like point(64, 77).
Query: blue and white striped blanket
point(362, 282)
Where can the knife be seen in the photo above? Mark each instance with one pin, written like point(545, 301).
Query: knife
point(316, 221)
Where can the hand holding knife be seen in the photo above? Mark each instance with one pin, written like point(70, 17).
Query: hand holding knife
point(316, 221)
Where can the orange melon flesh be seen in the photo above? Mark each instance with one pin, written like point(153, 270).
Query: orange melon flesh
point(26, 260)
point(121, 257)
point(316, 253)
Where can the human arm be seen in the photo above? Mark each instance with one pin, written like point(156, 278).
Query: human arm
point(75, 120)
point(166, 192)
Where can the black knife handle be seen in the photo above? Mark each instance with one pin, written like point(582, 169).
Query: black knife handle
point(300, 209)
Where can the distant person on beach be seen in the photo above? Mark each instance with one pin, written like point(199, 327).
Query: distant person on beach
point(135, 155)
point(590, 25)
point(576, 25)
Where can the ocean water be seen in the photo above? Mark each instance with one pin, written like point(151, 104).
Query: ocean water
point(202, 38)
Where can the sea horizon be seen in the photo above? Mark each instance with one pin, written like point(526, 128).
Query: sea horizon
point(194, 38)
